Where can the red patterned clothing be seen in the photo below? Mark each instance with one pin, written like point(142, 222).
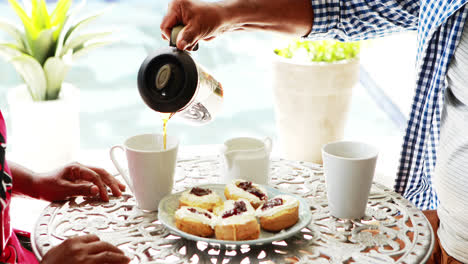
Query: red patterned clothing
point(11, 249)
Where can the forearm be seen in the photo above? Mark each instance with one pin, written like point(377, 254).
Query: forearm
point(24, 180)
point(285, 16)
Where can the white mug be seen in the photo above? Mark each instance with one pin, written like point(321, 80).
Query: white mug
point(151, 167)
point(247, 158)
point(349, 169)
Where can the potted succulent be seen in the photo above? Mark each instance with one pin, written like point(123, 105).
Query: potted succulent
point(312, 82)
point(44, 110)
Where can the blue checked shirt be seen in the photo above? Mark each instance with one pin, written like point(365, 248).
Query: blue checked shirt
point(439, 24)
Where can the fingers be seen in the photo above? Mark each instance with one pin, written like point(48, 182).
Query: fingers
point(170, 20)
point(85, 238)
point(71, 251)
point(101, 246)
point(182, 12)
point(115, 186)
point(104, 252)
point(187, 38)
point(77, 173)
point(87, 174)
point(85, 189)
point(90, 249)
point(110, 257)
point(209, 38)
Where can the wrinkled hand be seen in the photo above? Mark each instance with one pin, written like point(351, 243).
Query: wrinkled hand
point(85, 250)
point(202, 20)
point(76, 179)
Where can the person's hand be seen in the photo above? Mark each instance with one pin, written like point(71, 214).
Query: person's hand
point(85, 250)
point(206, 20)
point(202, 20)
point(76, 179)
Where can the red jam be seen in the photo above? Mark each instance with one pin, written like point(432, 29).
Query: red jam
point(272, 203)
point(200, 191)
point(239, 207)
point(193, 210)
point(248, 187)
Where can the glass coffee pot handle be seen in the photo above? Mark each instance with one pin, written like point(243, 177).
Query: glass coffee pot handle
point(174, 33)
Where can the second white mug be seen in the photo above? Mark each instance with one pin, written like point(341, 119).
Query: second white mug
point(349, 168)
point(151, 167)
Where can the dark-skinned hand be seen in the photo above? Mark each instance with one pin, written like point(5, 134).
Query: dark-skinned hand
point(86, 249)
point(76, 179)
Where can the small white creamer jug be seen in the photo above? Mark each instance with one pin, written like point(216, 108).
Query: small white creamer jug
point(248, 159)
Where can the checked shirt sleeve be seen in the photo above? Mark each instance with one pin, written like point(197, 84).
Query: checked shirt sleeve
point(352, 20)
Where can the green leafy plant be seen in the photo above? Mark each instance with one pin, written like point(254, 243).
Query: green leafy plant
point(319, 51)
point(47, 45)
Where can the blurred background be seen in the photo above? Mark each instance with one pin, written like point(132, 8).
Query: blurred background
point(112, 110)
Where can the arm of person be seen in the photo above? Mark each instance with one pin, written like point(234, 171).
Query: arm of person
point(206, 20)
point(344, 20)
point(71, 180)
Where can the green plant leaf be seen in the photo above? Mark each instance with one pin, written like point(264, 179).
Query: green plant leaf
point(28, 24)
point(55, 70)
point(80, 41)
point(9, 51)
point(33, 75)
point(44, 46)
point(44, 52)
point(15, 32)
point(81, 24)
point(60, 11)
point(64, 30)
point(39, 15)
point(60, 16)
point(87, 48)
point(31, 33)
point(61, 37)
point(320, 51)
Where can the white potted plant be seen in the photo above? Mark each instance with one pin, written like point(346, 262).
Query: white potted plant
point(312, 82)
point(44, 110)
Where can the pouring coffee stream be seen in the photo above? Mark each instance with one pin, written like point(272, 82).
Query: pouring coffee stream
point(172, 83)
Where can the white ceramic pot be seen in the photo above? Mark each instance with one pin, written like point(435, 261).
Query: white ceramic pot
point(311, 104)
point(44, 135)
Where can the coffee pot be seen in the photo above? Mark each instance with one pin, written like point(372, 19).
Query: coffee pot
point(170, 81)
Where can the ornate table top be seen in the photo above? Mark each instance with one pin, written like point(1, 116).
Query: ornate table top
point(393, 230)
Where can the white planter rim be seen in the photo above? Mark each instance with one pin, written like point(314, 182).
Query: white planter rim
point(281, 59)
point(20, 95)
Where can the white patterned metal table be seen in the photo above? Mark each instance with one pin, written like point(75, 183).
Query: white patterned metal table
point(393, 230)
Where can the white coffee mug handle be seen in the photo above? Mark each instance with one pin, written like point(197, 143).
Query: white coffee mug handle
point(118, 167)
point(268, 144)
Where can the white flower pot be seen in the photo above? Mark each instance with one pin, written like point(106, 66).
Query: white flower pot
point(44, 135)
point(311, 104)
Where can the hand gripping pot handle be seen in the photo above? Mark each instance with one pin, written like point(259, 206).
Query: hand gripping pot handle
point(174, 33)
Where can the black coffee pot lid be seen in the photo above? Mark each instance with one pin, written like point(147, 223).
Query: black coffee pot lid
point(168, 80)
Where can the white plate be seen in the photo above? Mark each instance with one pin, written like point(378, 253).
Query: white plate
point(170, 204)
